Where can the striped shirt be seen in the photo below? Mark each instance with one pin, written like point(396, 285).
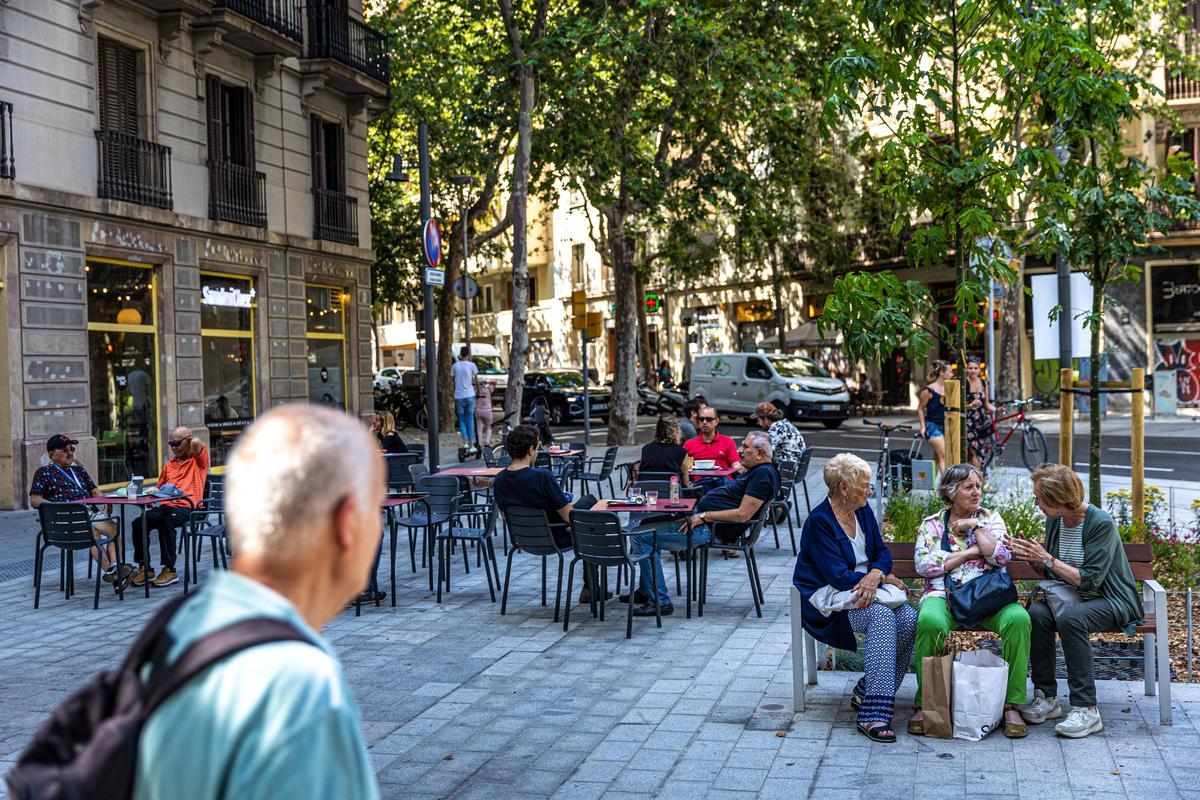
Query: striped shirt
point(1070, 545)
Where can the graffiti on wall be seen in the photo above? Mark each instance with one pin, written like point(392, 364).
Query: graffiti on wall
point(1182, 356)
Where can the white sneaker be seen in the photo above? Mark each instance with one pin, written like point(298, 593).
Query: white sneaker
point(1041, 709)
point(1079, 723)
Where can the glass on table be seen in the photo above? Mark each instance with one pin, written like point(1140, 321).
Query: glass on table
point(635, 495)
point(651, 497)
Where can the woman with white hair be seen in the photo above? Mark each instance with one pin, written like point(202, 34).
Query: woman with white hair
point(840, 547)
point(961, 543)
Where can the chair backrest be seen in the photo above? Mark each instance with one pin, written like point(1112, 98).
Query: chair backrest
point(644, 475)
point(398, 464)
point(802, 467)
point(749, 536)
point(529, 530)
point(418, 472)
point(418, 448)
point(443, 492)
point(610, 460)
point(542, 460)
point(66, 524)
point(787, 477)
point(597, 538)
point(662, 487)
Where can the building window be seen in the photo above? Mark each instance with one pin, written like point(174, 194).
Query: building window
point(237, 191)
point(386, 315)
point(227, 304)
point(335, 213)
point(326, 345)
point(122, 369)
point(577, 264)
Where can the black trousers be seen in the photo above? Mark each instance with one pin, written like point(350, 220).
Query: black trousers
point(1074, 627)
point(165, 521)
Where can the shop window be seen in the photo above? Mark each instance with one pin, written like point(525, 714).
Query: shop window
point(227, 304)
point(326, 345)
point(122, 369)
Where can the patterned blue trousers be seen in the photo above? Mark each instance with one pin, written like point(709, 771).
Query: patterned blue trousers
point(886, 657)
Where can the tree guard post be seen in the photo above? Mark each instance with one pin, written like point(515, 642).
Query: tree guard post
point(1066, 411)
point(953, 420)
point(1137, 461)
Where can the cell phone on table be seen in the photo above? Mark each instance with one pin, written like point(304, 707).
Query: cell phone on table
point(674, 505)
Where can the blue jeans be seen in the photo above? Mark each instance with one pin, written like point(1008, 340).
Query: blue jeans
point(933, 431)
point(465, 408)
point(669, 538)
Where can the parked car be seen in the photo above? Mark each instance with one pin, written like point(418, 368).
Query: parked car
point(388, 378)
point(563, 392)
point(734, 383)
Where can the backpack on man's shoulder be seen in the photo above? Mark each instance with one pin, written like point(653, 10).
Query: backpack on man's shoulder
point(88, 748)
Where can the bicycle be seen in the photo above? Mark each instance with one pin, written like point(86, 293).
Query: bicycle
point(1034, 451)
point(883, 471)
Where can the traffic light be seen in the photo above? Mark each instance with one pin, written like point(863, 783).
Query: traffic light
point(579, 310)
point(595, 324)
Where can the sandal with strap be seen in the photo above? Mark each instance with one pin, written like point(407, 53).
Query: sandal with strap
point(877, 732)
point(916, 727)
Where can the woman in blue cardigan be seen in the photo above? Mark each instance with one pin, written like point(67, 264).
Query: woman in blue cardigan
point(840, 546)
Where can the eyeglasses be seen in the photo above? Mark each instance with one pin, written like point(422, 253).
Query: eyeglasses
point(707, 419)
point(70, 448)
point(177, 442)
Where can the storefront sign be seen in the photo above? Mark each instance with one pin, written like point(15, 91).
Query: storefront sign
point(1175, 295)
point(753, 311)
point(226, 297)
point(708, 317)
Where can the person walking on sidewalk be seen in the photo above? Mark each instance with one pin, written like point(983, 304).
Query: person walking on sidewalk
point(931, 413)
point(466, 377)
point(304, 485)
point(187, 471)
point(981, 429)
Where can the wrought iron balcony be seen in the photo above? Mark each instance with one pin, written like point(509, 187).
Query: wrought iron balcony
point(335, 216)
point(8, 165)
point(133, 169)
point(237, 194)
point(336, 35)
point(260, 27)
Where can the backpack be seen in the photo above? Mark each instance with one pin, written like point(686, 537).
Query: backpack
point(89, 746)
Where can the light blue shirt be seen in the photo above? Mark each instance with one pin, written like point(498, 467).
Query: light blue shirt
point(274, 721)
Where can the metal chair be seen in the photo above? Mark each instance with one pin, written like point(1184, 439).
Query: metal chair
point(744, 543)
point(399, 465)
point(607, 462)
point(67, 526)
point(801, 478)
point(417, 449)
point(664, 491)
point(529, 531)
point(205, 522)
point(600, 543)
point(783, 499)
point(441, 505)
point(484, 538)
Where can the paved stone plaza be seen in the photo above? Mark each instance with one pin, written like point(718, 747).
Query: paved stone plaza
point(458, 701)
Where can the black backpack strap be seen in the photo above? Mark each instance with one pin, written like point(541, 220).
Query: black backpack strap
point(213, 648)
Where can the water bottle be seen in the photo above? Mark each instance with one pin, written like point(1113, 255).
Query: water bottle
point(674, 488)
point(131, 489)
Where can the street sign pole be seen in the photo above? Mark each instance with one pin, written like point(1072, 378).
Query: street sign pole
point(431, 393)
point(587, 408)
point(466, 277)
point(991, 341)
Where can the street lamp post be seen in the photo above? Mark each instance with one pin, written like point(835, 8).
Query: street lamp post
point(463, 182)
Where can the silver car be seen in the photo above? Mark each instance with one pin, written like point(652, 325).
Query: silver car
point(734, 383)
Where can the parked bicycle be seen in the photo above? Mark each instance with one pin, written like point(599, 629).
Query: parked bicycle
point(884, 478)
point(1034, 451)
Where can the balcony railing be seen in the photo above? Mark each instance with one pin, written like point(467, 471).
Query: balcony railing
point(133, 169)
point(335, 216)
point(237, 194)
point(8, 165)
point(281, 16)
point(1180, 87)
point(334, 34)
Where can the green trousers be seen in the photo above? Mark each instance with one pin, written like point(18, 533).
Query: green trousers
point(1011, 622)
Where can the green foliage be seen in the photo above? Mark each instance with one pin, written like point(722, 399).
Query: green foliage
point(1176, 546)
point(877, 313)
point(903, 513)
point(1021, 516)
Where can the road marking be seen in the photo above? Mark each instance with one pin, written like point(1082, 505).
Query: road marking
point(1123, 466)
point(1159, 452)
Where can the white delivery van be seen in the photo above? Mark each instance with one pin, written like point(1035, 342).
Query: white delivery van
point(734, 383)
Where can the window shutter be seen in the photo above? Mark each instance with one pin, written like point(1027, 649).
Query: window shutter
point(339, 174)
point(116, 94)
point(248, 101)
point(212, 98)
point(316, 135)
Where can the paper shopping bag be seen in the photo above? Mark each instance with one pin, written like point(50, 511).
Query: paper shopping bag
point(937, 684)
point(980, 684)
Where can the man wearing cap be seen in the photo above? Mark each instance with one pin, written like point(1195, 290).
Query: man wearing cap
point(785, 439)
point(186, 471)
point(64, 481)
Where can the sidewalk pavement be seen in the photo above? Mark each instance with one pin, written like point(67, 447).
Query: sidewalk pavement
point(458, 701)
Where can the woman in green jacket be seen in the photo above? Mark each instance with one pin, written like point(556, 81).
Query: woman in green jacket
point(1089, 588)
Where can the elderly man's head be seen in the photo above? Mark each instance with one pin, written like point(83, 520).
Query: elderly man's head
point(756, 449)
point(180, 442)
point(303, 490)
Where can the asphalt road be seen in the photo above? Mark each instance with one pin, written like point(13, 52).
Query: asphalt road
point(1167, 458)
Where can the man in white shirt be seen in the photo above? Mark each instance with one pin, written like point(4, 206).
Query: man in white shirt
point(466, 376)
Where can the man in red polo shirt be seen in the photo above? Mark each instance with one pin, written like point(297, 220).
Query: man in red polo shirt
point(712, 445)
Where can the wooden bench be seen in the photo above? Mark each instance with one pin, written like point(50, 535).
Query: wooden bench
point(1153, 631)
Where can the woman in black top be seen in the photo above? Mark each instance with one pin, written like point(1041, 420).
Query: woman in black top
point(931, 413)
point(384, 428)
point(665, 453)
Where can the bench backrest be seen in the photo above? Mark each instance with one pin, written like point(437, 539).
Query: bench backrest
point(1141, 560)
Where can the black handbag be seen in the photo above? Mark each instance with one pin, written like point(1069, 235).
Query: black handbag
point(976, 600)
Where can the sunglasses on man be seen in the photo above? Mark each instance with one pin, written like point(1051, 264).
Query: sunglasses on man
point(707, 419)
point(178, 442)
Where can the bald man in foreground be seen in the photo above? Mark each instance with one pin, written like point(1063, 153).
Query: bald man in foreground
point(303, 490)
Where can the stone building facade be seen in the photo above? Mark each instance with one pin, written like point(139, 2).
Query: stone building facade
point(184, 224)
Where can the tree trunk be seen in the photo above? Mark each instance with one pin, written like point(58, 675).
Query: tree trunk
point(777, 286)
point(446, 302)
point(519, 351)
point(1006, 372)
point(622, 421)
point(1094, 385)
point(643, 329)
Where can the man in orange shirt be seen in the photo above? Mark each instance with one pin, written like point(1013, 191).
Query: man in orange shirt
point(186, 471)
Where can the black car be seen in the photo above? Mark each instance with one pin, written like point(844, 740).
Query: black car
point(562, 390)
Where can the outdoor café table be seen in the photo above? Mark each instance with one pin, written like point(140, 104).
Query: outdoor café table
point(472, 472)
point(390, 502)
point(141, 504)
point(663, 505)
point(719, 472)
point(562, 453)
